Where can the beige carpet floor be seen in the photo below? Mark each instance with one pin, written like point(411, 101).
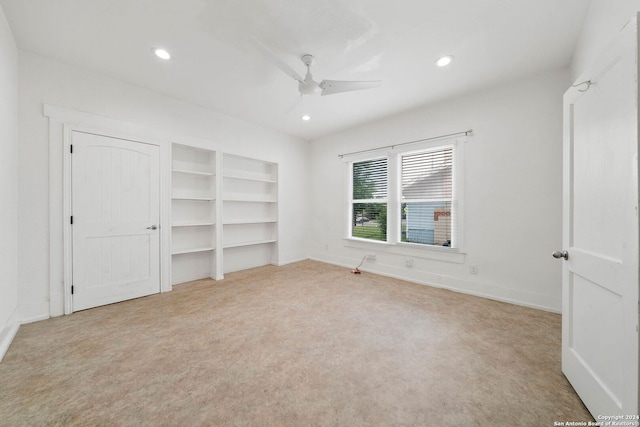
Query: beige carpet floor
point(307, 344)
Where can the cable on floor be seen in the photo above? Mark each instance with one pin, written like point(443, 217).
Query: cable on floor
point(357, 269)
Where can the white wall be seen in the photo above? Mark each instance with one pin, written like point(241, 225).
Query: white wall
point(604, 20)
point(8, 184)
point(513, 177)
point(45, 81)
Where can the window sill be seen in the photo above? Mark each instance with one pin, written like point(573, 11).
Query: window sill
point(437, 253)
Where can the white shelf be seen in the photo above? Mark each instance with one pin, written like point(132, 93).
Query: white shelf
point(207, 186)
point(199, 199)
point(192, 224)
point(193, 250)
point(246, 178)
point(190, 172)
point(249, 194)
point(250, 221)
point(241, 244)
point(247, 200)
point(193, 195)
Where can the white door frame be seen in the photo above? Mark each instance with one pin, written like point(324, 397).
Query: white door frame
point(62, 123)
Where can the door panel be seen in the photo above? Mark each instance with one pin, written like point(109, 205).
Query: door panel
point(115, 193)
point(600, 223)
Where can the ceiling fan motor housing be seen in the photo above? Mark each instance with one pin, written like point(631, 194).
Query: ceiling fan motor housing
point(308, 86)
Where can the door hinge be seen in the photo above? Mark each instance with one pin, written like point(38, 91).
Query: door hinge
point(71, 219)
point(71, 148)
point(71, 289)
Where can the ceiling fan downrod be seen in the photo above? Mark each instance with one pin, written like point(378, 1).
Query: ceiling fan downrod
point(308, 86)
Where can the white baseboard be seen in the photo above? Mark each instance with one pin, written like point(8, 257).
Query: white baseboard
point(479, 289)
point(292, 261)
point(7, 334)
point(35, 312)
point(344, 263)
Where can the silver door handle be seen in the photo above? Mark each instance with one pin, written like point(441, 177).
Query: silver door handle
point(559, 254)
point(153, 227)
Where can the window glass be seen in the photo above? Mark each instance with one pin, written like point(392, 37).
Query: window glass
point(428, 223)
point(368, 203)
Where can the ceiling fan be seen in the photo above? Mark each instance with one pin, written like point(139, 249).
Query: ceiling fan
point(307, 85)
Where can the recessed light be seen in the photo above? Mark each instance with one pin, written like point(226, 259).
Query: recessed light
point(306, 117)
point(161, 53)
point(443, 61)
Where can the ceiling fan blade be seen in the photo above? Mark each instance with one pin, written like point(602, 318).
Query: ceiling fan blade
point(273, 58)
point(329, 87)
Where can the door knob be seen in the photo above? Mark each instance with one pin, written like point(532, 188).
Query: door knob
point(559, 254)
point(155, 227)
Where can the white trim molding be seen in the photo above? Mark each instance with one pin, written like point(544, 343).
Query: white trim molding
point(475, 288)
point(8, 333)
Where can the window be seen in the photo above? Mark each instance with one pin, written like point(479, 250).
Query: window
point(427, 196)
point(369, 199)
point(408, 197)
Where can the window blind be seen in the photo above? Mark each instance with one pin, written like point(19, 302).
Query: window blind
point(427, 197)
point(428, 175)
point(370, 179)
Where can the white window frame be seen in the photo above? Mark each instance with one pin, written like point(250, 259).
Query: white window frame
point(393, 244)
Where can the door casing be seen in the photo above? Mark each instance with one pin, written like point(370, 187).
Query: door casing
point(60, 130)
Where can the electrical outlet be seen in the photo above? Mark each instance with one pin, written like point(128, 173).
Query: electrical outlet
point(371, 257)
point(473, 269)
point(408, 262)
point(326, 247)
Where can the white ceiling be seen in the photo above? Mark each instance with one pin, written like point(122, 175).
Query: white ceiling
point(215, 65)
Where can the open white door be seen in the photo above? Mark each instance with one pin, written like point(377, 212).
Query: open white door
point(600, 232)
point(116, 211)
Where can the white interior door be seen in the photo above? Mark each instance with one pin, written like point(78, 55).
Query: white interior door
point(600, 233)
point(116, 211)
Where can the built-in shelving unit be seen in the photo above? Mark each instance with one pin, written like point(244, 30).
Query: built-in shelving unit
point(249, 212)
point(193, 213)
point(224, 213)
